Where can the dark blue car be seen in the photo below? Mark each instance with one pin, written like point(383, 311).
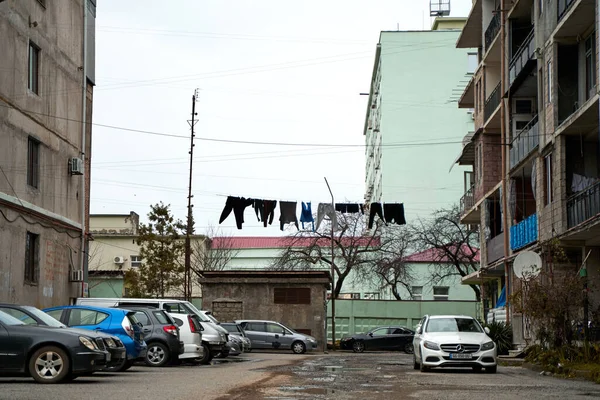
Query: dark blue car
point(114, 321)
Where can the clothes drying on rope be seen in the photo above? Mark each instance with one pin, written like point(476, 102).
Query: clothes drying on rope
point(306, 215)
point(288, 213)
point(349, 208)
point(387, 212)
point(237, 205)
point(265, 210)
point(326, 209)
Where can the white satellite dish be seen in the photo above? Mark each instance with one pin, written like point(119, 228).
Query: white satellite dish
point(527, 265)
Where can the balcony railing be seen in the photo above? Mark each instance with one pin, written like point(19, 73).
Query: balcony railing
point(495, 248)
point(468, 200)
point(583, 205)
point(524, 233)
point(525, 53)
point(492, 30)
point(563, 7)
point(525, 142)
point(492, 102)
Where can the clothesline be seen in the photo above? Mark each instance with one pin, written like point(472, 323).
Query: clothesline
point(296, 200)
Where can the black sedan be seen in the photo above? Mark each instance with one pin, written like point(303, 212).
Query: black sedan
point(380, 338)
point(47, 354)
point(34, 316)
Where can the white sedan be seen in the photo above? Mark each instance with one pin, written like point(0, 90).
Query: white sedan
point(453, 341)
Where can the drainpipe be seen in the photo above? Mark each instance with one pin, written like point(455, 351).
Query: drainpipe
point(83, 135)
point(504, 141)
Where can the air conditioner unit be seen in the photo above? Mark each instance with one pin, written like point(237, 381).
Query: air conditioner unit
point(119, 260)
point(76, 166)
point(76, 275)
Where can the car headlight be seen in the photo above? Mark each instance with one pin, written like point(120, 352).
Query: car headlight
point(487, 346)
point(431, 345)
point(110, 342)
point(88, 343)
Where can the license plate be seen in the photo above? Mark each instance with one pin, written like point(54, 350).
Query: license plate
point(108, 357)
point(460, 356)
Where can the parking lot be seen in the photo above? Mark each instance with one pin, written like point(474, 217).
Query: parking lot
point(269, 375)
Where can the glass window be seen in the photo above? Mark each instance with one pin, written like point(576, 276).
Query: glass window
point(256, 326)
point(20, 315)
point(142, 317)
point(9, 319)
point(548, 179)
point(453, 325)
point(417, 292)
point(34, 65)
point(549, 83)
point(590, 65)
point(162, 317)
point(32, 258)
point(472, 62)
point(45, 318)
point(136, 261)
point(274, 328)
point(440, 292)
point(380, 332)
point(56, 314)
point(85, 317)
point(33, 162)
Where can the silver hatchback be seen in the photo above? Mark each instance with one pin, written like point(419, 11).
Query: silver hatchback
point(274, 335)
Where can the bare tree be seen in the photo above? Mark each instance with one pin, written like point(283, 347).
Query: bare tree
point(454, 246)
point(355, 249)
point(213, 253)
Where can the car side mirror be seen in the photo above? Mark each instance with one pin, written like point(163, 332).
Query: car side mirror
point(283, 333)
point(487, 330)
point(371, 334)
point(419, 331)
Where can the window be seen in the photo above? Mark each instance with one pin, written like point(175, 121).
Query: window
point(34, 65)
point(417, 292)
point(477, 97)
point(292, 296)
point(541, 6)
point(255, 326)
point(548, 179)
point(31, 258)
point(176, 308)
point(56, 314)
point(275, 328)
point(79, 317)
point(471, 63)
point(136, 261)
point(380, 332)
point(20, 315)
point(590, 65)
point(143, 318)
point(440, 292)
point(549, 82)
point(161, 317)
point(33, 162)
point(478, 163)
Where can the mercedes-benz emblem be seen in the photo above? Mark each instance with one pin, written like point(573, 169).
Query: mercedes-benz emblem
point(459, 348)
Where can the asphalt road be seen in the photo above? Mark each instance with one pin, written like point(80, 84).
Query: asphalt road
point(343, 375)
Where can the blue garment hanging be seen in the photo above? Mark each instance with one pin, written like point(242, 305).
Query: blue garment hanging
point(306, 215)
point(502, 298)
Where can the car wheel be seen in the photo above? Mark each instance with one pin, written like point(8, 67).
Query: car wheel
point(491, 370)
point(358, 347)
point(408, 348)
point(477, 368)
point(415, 363)
point(207, 356)
point(128, 364)
point(49, 364)
point(157, 355)
point(298, 347)
point(423, 368)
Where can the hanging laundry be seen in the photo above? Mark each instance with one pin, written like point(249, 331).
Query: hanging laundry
point(375, 209)
point(264, 209)
point(288, 213)
point(326, 209)
point(348, 208)
point(306, 215)
point(238, 205)
point(394, 213)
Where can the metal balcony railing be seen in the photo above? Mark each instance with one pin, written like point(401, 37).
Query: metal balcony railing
point(583, 205)
point(525, 142)
point(467, 201)
point(563, 7)
point(492, 102)
point(524, 233)
point(525, 53)
point(492, 30)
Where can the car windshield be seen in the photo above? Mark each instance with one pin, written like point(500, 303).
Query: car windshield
point(194, 310)
point(453, 325)
point(45, 318)
point(7, 319)
point(231, 328)
point(289, 329)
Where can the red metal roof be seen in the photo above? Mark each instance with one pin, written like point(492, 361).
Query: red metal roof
point(277, 242)
point(438, 255)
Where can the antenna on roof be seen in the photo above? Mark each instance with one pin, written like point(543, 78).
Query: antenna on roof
point(439, 8)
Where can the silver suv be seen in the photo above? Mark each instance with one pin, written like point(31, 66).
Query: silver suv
point(273, 335)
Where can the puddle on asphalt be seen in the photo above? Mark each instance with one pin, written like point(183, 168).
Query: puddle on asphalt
point(308, 390)
point(229, 360)
point(339, 368)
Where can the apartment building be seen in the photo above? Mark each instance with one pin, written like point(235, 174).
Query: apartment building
point(534, 154)
point(46, 94)
point(412, 123)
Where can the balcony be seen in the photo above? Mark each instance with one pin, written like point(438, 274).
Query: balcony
point(563, 7)
point(583, 205)
point(524, 143)
point(467, 201)
point(524, 233)
point(495, 248)
point(492, 30)
point(522, 57)
point(492, 102)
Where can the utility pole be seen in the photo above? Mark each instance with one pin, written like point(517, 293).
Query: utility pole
point(332, 273)
point(188, 250)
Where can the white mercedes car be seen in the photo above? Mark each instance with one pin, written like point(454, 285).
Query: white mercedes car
point(453, 341)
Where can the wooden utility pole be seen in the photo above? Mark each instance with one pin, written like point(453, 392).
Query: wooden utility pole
point(188, 248)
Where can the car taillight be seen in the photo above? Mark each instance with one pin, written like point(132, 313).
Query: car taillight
point(172, 329)
point(192, 325)
point(128, 327)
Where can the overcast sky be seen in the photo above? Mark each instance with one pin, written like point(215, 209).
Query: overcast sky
point(272, 71)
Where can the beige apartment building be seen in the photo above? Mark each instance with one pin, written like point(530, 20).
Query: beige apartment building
point(535, 151)
point(46, 94)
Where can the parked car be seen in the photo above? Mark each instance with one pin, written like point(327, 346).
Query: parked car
point(34, 316)
point(453, 341)
point(190, 330)
point(161, 335)
point(47, 354)
point(214, 338)
point(237, 330)
point(273, 335)
point(114, 321)
point(380, 338)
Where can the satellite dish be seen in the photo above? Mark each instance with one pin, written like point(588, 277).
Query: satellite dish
point(527, 265)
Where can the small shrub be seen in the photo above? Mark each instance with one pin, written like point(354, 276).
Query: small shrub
point(501, 334)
